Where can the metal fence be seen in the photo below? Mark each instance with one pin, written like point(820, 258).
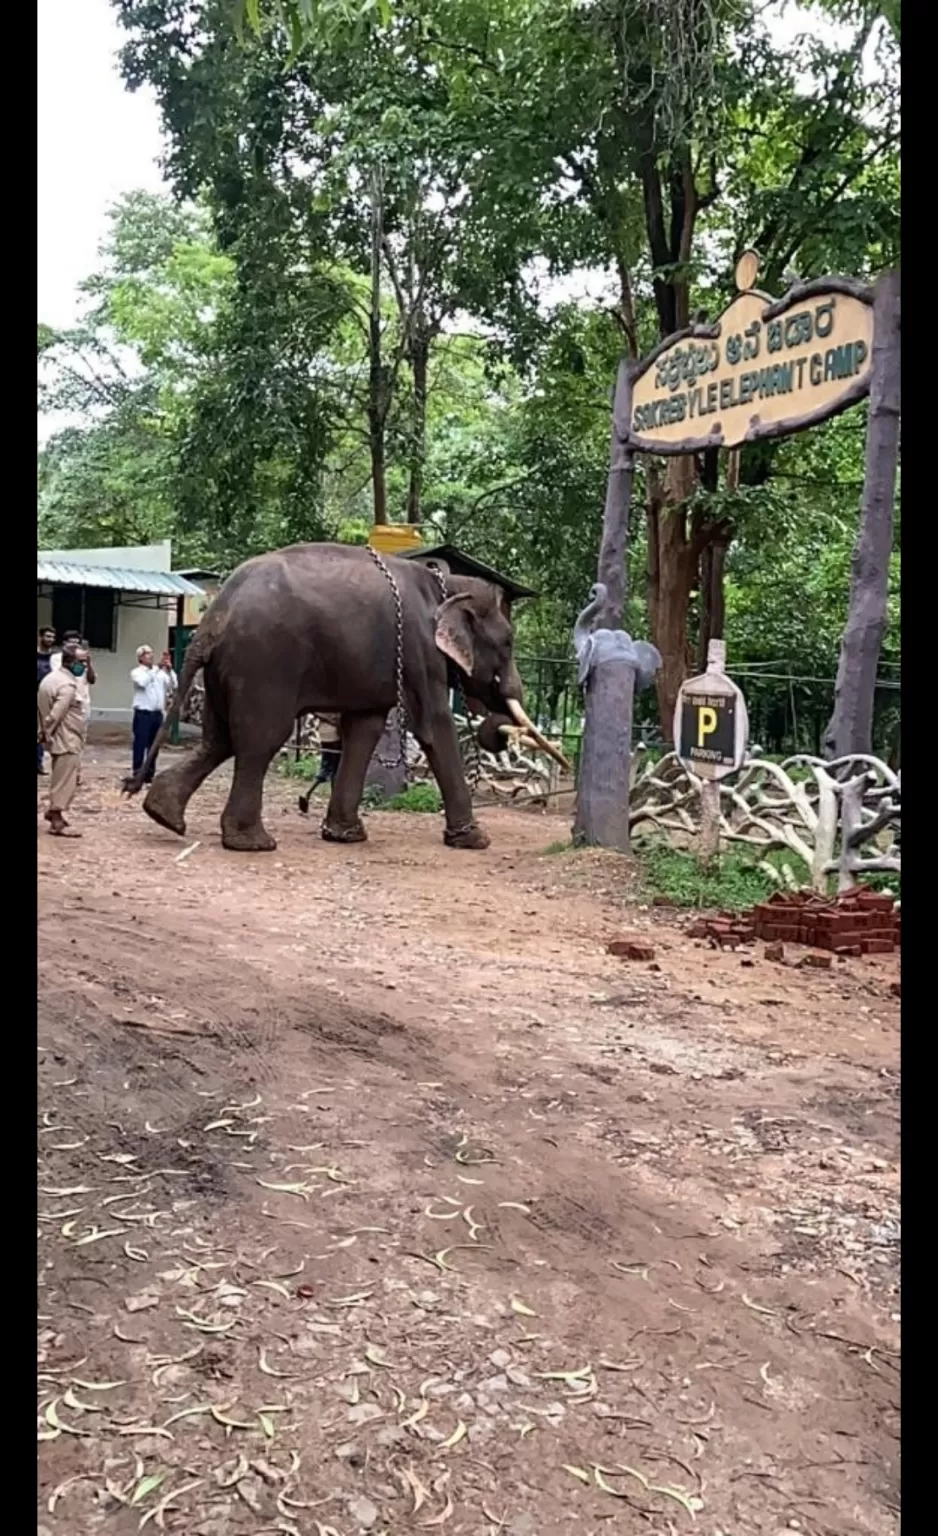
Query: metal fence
point(788, 711)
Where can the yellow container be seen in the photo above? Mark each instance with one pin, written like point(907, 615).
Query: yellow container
point(394, 538)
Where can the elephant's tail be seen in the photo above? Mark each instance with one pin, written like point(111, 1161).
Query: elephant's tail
point(197, 655)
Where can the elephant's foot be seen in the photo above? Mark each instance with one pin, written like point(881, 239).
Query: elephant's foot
point(333, 833)
point(162, 810)
point(247, 839)
point(469, 836)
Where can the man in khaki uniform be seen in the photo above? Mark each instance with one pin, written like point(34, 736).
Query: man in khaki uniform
point(64, 710)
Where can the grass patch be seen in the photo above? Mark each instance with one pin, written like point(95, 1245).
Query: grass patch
point(304, 767)
point(558, 847)
point(425, 798)
point(733, 881)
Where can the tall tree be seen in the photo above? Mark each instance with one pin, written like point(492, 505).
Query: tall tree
point(851, 725)
point(123, 379)
point(652, 138)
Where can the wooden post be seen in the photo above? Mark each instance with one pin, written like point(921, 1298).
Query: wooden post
point(615, 535)
point(602, 808)
point(851, 724)
point(709, 840)
point(179, 654)
point(708, 843)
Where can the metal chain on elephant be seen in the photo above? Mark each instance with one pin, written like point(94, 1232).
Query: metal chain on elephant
point(401, 760)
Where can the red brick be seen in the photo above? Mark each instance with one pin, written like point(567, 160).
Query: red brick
point(847, 949)
point(871, 898)
point(820, 962)
point(835, 922)
point(631, 949)
point(774, 952)
point(878, 946)
point(698, 930)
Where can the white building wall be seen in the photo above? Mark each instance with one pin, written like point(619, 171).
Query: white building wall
point(112, 694)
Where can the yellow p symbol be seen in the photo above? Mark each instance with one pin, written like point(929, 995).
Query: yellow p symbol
point(706, 724)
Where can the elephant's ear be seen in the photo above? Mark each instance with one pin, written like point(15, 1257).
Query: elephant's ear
point(454, 632)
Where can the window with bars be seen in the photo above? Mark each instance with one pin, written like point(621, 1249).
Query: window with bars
point(90, 610)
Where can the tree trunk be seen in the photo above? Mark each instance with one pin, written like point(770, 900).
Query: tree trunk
point(615, 533)
point(377, 376)
point(851, 724)
point(379, 481)
point(676, 570)
point(712, 599)
point(602, 803)
point(420, 363)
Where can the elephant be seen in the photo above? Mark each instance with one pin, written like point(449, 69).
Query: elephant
point(320, 628)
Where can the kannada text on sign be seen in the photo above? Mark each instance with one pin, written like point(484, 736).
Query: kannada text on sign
point(756, 371)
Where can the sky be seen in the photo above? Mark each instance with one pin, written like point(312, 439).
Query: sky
point(94, 141)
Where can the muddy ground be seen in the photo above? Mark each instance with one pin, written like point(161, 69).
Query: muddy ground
point(375, 1196)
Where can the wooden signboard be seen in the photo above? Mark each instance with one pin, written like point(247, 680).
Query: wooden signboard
point(764, 369)
point(711, 723)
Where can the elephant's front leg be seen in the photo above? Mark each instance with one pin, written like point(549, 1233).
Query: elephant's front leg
point(360, 736)
point(441, 744)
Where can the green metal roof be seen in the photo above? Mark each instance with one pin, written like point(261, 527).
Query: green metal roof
point(68, 573)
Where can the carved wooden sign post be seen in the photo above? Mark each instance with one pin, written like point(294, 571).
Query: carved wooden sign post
point(764, 369)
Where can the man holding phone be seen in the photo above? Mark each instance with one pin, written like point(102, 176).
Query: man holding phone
point(153, 688)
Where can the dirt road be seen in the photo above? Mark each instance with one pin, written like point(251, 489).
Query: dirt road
point(375, 1196)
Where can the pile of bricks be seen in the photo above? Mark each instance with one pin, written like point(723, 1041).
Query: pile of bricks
point(858, 922)
point(727, 930)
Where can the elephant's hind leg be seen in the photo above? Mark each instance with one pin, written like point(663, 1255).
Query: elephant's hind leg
point(360, 736)
point(242, 826)
point(171, 790)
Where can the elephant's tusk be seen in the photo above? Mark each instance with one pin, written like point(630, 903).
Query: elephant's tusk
point(520, 718)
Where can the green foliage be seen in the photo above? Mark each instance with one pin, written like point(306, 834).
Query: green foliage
point(304, 767)
point(732, 882)
point(218, 388)
point(424, 798)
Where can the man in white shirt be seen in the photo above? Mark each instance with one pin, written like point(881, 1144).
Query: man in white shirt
point(152, 688)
